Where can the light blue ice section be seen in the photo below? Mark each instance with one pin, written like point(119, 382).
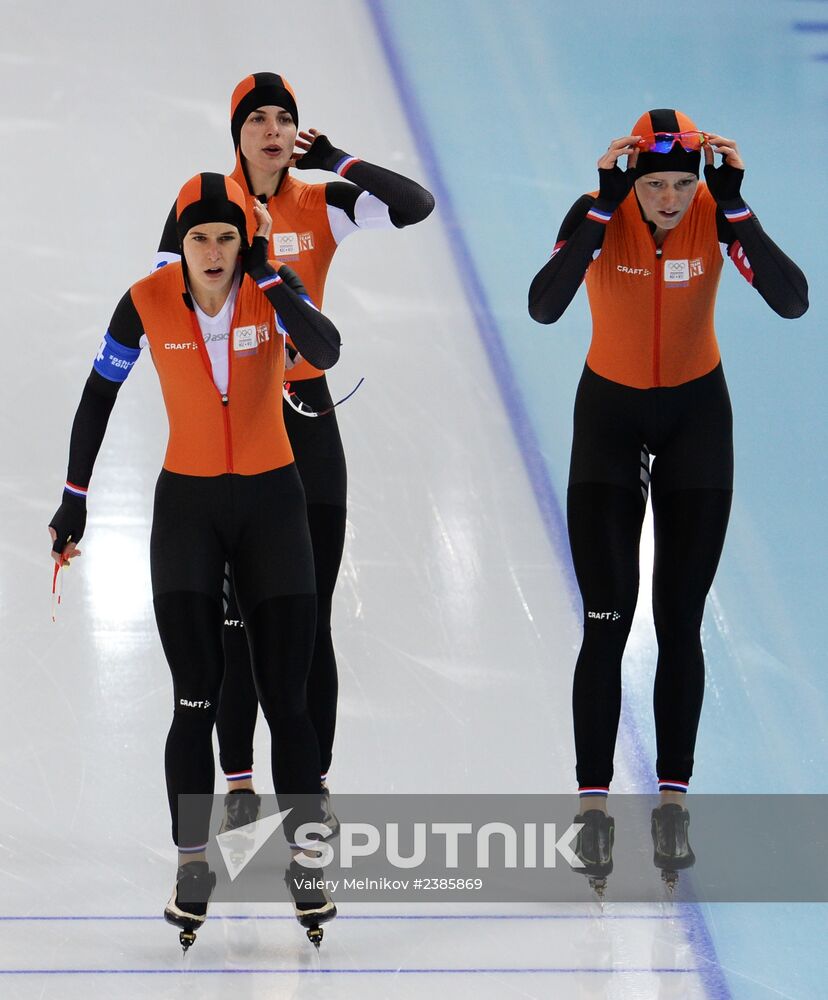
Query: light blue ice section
point(516, 102)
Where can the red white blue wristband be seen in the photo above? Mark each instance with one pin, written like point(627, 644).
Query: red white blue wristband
point(345, 165)
point(599, 215)
point(268, 281)
point(737, 214)
point(76, 491)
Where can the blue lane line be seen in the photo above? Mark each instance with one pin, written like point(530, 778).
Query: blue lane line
point(499, 360)
point(391, 916)
point(713, 978)
point(811, 26)
point(542, 970)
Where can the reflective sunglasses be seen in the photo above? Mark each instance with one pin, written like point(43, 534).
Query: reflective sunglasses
point(663, 142)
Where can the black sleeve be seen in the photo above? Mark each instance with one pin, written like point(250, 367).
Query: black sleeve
point(100, 392)
point(126, 326)
point(69, 520)
point(89, 427)
point(555, 285)
point(407, 201)
point(313, 335)
point(773, 274)
point(169, 238)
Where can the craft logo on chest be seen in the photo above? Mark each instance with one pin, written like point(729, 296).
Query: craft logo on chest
point(290, 245)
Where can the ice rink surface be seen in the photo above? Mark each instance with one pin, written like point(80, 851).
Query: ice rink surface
point(456, 620)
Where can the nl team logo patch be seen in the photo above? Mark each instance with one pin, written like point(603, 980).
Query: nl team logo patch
point(292, 244)
point(677, 273)
point(245, 340)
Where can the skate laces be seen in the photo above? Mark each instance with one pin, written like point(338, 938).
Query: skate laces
point(295, 403)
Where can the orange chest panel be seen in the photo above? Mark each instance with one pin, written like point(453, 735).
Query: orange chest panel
point(210, 434)
point(652, 313)
point(301, 234)
point(300, 237)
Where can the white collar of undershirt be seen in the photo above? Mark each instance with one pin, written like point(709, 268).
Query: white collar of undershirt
point(225, 313)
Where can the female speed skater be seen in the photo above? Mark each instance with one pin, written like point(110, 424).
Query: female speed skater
point(652, 412)
point(310, 221)
point(228, 492)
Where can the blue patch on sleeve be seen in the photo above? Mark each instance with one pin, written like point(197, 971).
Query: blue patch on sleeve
point(114, 361)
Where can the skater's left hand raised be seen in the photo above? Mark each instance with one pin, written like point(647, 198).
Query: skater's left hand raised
point(318, 152)
point(725, 181)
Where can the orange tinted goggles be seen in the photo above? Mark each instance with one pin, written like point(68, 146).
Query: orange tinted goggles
point(663, 142)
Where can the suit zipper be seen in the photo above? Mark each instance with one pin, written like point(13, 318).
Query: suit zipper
point(224, 397)
point(659, 276)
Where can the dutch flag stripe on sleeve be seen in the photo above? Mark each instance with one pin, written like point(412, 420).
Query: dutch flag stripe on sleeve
point(597, 215)
point(268, 281)
point(345, 165)
point(738, 214)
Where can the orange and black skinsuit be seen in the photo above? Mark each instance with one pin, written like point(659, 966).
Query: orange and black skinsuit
point(310, 221)
point(652, 386)
point(229, 491)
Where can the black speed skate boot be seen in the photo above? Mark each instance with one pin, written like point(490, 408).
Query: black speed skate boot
point(671, 843)
point(187, 907)
point(593, 846)
point(328, 815)
point(311, 902)
point(240, 808)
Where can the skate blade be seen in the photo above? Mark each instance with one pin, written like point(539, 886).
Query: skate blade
point(315, 935)
point(598, 884)
point(312, 922)
point(670, 880)
point(187, 928)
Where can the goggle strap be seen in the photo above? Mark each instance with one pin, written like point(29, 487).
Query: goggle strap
point(295, 403)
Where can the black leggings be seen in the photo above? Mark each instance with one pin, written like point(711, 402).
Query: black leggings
point(258, 525)
point(317, 448)
point(688, 430)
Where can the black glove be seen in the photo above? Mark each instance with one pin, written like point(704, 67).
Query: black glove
point(321, 156)
point(69, 521)
point(614, 186)
point(254, 258)
point(724, 183)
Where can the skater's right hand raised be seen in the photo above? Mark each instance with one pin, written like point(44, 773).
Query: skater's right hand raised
point(254, 258)
point(615, 183)
point(263, 219)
